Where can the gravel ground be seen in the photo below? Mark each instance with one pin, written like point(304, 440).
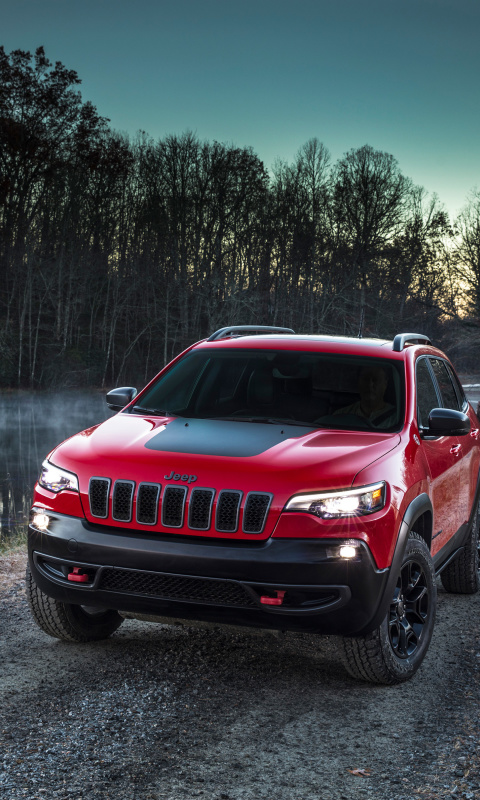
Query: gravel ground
point(172, 713)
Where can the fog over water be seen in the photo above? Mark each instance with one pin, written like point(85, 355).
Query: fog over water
point(31, 425)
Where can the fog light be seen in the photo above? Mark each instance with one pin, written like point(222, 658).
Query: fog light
point(41, 521)
point(347, 551)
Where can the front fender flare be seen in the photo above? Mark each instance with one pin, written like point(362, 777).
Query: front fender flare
point(421, 505)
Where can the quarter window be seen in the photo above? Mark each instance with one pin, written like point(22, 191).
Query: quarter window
point(458, 386)
point(426, 393)
point(449, 395)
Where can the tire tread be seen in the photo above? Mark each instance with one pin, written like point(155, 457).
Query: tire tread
point(60, 620)
point(364, 656)
point(461, 576)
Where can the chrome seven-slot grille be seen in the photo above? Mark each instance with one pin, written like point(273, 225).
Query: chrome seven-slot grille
point(172, 503)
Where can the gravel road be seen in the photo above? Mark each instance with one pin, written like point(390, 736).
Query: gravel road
point(172, 713)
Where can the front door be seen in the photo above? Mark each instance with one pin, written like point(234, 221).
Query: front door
point(444, 458)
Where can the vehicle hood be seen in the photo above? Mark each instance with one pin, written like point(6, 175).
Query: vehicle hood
point(249, 456)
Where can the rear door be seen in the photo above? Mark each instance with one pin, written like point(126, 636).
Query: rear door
point(453, 397)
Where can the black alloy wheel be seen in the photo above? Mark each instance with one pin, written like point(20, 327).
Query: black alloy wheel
point(394, 651)
point(409, 609)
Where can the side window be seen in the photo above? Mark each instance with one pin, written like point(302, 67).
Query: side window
point(458, 386)
point(449, 395)
point(426, 393)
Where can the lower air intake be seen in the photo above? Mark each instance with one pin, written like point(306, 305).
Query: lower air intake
point(176, 587)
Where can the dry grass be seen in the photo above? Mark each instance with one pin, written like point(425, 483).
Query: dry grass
point(12, 567)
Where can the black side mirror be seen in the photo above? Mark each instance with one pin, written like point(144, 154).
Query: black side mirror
point(448, 422)
point(119, 398)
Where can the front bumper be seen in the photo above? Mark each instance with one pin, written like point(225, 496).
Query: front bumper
point(209, 580)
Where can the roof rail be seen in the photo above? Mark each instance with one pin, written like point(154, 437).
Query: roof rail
point(244, 330)
point(401, 339)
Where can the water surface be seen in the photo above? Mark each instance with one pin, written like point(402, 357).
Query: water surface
point(31, 425)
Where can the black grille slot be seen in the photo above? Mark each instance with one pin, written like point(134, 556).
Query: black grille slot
point(228, 505)
point(200, 509)
point(98, 496)
point(176, 587)
point(255, 512)
point(173, 505)
point(122, 501)
point(147, 503)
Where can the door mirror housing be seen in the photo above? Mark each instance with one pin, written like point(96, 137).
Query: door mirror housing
point(119, 398)
point(448, 422)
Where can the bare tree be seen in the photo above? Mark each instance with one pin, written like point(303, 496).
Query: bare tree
point(370, 197)
point(467, 245)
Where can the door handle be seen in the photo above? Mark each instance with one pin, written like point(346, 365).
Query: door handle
point(456, 449)
point(474, 433)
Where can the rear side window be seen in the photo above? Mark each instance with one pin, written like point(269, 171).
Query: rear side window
point(449, 395)
point(426, 393)
point(458, 386)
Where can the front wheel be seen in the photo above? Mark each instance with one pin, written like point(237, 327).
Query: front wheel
point(69, 622)
point(393, 652)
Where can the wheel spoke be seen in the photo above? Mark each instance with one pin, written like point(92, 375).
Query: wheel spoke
point(405, 577)
point(394, 635)
point(415, 576)
point(418, 605)
point(409, 609)
point(411, 641)
point(402, 643)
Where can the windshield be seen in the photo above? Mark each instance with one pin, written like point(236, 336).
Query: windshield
point(312, 389)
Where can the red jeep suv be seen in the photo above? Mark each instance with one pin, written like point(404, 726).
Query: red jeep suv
point(263, 478)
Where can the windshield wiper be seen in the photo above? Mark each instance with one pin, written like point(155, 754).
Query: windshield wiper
point(266, 420)
point(157, 411)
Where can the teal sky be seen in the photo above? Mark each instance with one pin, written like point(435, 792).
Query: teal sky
point(400, 75)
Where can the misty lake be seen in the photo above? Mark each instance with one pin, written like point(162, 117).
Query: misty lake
point(32, 424)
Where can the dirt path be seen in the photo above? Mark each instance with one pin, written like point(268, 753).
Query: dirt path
point(157, 712)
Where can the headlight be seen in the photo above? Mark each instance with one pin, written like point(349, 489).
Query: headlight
point(56, 479)
point(348, 503)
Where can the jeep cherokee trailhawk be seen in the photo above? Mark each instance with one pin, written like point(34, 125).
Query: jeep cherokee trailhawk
point(263, 478)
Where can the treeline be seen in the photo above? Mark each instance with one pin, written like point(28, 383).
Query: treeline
point(116, 253)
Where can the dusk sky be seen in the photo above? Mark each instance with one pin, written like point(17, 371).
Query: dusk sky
point(400, 75)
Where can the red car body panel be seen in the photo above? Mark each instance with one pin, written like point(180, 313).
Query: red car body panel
point(326, 459)
point(440, 471)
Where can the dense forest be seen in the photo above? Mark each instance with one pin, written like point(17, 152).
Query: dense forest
point(116, 253)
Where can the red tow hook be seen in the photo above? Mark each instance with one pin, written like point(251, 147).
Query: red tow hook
point(273, 601)
point(77, 576)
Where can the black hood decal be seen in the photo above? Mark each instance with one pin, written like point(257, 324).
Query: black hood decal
point(212, 437)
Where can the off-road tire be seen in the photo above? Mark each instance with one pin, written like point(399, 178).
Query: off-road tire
point(461, 576)
point(383, 656)
point(68, 622)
